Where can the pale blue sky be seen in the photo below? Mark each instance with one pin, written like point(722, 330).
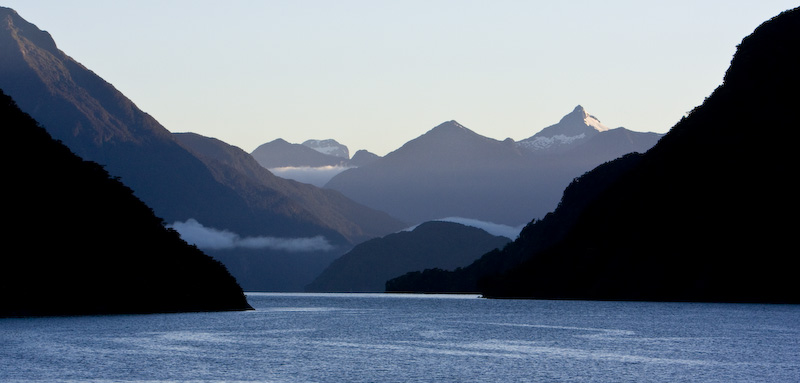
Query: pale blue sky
point(374, 74)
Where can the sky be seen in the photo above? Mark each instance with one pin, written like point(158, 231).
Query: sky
point(375, 74)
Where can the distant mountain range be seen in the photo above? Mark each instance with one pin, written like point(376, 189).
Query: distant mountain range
point(453, 171)
point(280, 153)
point(217, 188)
point(314, 161)
point(310, 154)
point(330, 147)
point(85, 245)
point(367, 267)
point(702, 216)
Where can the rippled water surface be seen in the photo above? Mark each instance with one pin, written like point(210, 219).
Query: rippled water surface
point(413, 338)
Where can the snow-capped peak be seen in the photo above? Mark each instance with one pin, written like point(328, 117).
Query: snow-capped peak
point(588, 119)
point(329, 147)
point(575, 126)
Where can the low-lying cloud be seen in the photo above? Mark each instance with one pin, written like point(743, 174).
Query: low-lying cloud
point(195, 233)
point(317, 176)
point(489, 227)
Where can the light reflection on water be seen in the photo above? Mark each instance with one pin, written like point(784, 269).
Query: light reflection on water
point(399, 338)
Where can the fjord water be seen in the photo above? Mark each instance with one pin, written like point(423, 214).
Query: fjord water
point(413, 338)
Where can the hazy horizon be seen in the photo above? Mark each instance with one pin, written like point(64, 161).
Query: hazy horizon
point(374, 75)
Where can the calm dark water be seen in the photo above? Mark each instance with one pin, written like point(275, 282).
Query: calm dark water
point(413, 338)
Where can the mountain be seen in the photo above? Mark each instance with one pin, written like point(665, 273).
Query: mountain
point(86, 245)
point(280, 153)
point(585, 138)
point(453, 171)
point(100, 124)
point(702, 216)
point(329, 147)
point(368, 266)
point(313, 162)
point(362, 157)
point(324, 153)
point(577, 126)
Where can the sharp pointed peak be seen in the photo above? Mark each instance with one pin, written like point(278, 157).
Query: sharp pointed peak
point(449, 127)
point(450, 124)
point(579, 114)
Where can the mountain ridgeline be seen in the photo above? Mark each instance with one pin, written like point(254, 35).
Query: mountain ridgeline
point(280, 153)
point(311, 153)
point(451, 171)
point(87, 244)
point(702, 216)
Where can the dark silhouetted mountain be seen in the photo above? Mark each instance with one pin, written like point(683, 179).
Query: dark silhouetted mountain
point(100, 124)
point(368, 266)
point(280, 153)
point(702, 216)
point(86, 244)
point(453, 171)
point(330, 147)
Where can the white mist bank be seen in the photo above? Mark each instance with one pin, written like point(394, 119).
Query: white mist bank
point(489, 227)
point(195, 233)
point(317, 176)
